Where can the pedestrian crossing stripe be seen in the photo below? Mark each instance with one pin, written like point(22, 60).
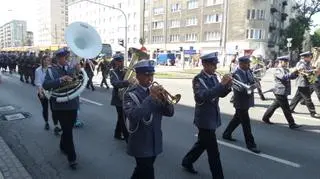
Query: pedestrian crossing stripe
point(6, 108)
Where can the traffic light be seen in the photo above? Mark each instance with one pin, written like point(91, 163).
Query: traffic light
point(121, 42)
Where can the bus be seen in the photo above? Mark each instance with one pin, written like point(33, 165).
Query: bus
point(106, 50)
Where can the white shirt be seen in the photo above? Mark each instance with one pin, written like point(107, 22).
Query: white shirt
point(40, 75)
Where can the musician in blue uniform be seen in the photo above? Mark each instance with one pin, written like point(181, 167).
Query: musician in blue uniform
point(207, 91)
point(65, 112)
point(243, 100)
point(281, 91)
point(144, 106)
point(303, 91)
point(116, 78)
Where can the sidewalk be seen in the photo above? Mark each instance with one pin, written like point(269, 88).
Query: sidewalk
point(10, 166)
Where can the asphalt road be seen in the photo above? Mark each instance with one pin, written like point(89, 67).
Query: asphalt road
point(285, 153)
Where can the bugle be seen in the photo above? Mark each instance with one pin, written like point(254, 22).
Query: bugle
point(171, 99)
point(238, 85)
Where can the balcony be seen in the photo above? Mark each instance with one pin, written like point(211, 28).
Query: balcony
point(285, 3)
point(284, 16)
point(271, 43)
point(272, 27)
point(273, 10)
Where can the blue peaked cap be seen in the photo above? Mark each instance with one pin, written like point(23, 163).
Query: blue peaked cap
point(244, 59)
point(306, 54)
point(62, 52)
point(145, 66)
point(118, 57)
point(283, 58)
point(210, 57)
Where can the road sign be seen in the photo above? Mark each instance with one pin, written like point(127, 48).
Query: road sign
point(190, 52)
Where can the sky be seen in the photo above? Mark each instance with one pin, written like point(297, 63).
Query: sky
point(26, 10)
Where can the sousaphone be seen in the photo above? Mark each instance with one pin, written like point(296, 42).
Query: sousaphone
point(84, 42)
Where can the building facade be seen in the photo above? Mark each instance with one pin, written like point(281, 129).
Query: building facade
point(53, 19)
point(110, 23)
point(13, 34)
point(30, 39)
point(226, 26)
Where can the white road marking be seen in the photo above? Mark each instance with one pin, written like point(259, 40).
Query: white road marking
point(266, 156)
point(90, 101)
point(296, 116)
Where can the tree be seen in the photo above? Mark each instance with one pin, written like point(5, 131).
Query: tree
point(305, 10)
point(315, 38)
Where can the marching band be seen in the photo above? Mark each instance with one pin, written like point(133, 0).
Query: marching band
point(141, 103)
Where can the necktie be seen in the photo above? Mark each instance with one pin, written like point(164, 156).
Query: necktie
point(148, 91)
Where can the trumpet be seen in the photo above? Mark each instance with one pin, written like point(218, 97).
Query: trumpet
point(171, 99)
point(309, 74)
point(238, 85)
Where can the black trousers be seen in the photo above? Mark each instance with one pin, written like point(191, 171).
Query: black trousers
point(67, 119)
point(241, 117)
point(206, 141)
point(104, 79)
point(144, 168)
point(90, 83)
point(45, 103)
point(280, 101)
point(303, 93)
point(314, 88)
point(120, 127)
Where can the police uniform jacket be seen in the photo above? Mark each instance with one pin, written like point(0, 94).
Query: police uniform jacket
point(52, 81)
point(144, 116)
point(243, 100)
point(207, 91)
point(116, 79)
point(282, 79)
point(302, 80)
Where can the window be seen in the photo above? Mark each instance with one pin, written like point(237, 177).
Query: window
point(128, 40)
point(157, 39)
point(129, 28)
point(175, 23)
point(255, 34)
point(212, 36)
point(192, 4)
point(157, 25)
point(191, 21)
point(175, 7)
point(191, 37)
point(159, 10)
point(174, 38)
point(135, 40)
point(213, 18)
point(213, 2)
point(256, 14)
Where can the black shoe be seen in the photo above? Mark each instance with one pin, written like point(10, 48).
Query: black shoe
point(57, 130)
point(229, 138)
point(254, 150)
point(108, 87)
point(73, 165)
point(189, 168)
point(303, 103)
point(267, 121)
point(315, 115)
point(46, 126)
point(294, 126)
point(119, 137)
point(263, 98)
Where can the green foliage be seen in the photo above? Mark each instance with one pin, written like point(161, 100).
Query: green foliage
point(296, 31)
point(315, 39)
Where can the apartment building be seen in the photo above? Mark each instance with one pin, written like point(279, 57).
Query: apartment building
point(53, 19)
point(13, 34)
point(29, 39)
point(226, 26)
point(108, 22)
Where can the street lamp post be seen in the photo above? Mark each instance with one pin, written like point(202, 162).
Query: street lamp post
point(289, 44)
point(126, 24)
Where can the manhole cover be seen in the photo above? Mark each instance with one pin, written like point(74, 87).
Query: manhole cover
point(11, 117)
point(6, 108)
